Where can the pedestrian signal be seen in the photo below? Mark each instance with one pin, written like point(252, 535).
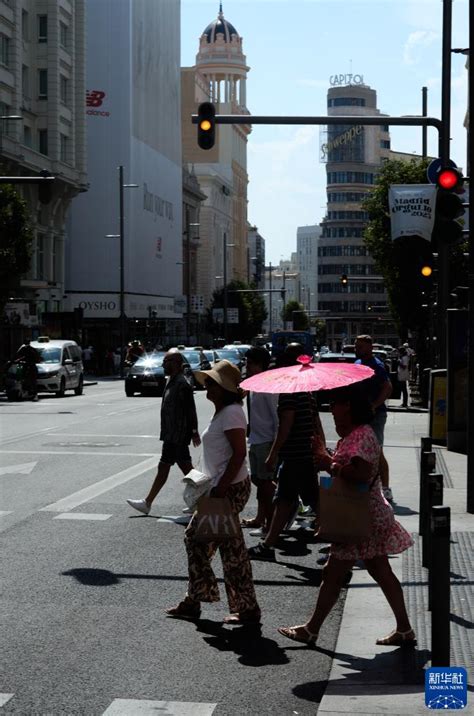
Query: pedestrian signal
point(206, 125)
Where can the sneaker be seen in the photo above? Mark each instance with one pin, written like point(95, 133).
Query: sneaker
point(140, 505)
point(387, 493)
point(259, 532)
point(265, 554)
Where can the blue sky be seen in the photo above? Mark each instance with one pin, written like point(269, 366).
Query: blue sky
point(292, 48)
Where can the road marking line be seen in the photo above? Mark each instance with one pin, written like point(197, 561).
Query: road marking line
point(181, 520)
point(81, 516)
point(98, 488)
point(24, 469)
point(4, 698)
point(139, 707)
point(78, 452)
point(104, 435)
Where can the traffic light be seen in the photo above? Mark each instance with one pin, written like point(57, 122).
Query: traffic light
point(449, 207)
point(45, 188)
point(412, 259)
point(206, 125)
point(344, 279)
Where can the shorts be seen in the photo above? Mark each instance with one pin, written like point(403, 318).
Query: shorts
point(175, 452)
point(257, 456)
point(297, 479)
point(378, 425)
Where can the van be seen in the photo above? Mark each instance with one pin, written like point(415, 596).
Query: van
point(61, 366)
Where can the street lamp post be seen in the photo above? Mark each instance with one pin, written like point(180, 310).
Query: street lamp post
point(121, 236)
point(225, 246)
point(187, 264)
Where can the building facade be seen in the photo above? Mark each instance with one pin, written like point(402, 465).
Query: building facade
point(133, 79)
point(307, 240)
point(42, 84)
point(353, 156)
point(219, 76)
point(256, 258)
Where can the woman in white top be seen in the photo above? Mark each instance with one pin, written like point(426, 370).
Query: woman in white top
point(224, 451)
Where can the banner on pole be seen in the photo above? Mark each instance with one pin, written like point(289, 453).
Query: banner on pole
point(412, 210)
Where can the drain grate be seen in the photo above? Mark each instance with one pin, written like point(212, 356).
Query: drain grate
point(415, 586)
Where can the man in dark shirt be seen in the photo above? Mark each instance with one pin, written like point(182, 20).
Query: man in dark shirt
point(379, 388)
point(292, 451)
point(179, 427)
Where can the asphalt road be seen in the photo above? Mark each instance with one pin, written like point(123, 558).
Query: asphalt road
point(85, 580)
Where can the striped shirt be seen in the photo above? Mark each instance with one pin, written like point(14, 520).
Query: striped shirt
point(298, 445)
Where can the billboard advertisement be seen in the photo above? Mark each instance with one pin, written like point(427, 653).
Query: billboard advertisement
point(133, 81)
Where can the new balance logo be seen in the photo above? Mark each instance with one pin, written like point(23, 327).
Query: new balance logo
point(94, 98)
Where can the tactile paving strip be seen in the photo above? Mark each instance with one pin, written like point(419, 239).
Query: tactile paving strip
point(415, 586)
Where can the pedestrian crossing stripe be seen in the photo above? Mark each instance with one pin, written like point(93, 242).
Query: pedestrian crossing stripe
point(81, 516)
point(144, 707)
point(138, 707)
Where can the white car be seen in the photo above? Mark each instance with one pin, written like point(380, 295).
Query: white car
point(61, 366)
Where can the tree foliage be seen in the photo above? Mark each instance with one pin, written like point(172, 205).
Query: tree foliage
point(252, 312)
point(15, 241)
point(386, 253)
point(294, 313)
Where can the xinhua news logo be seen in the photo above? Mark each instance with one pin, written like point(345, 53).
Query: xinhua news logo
point(446, 687)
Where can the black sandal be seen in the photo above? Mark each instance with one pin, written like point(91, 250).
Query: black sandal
point(187, 609)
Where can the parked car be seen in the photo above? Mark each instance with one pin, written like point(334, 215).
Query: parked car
point(61, 366)
point(198, 361)
point(237, 345)
point(147, 375)
point(232, 355)
point(211, 356)
point(330, 357)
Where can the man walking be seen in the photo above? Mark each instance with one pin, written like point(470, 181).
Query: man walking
point(379, 388)
point(263, 426)
point(178, 427)
point(292, 457)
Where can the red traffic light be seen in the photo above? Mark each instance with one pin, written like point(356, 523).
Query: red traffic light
point(449, 179)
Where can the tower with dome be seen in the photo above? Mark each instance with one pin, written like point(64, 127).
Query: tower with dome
point(219, 76)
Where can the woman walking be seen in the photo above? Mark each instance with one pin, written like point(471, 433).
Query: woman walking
point(356, 459)
point(224, 450)
point(403, 374)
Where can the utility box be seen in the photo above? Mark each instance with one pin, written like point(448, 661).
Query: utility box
point(437, 406)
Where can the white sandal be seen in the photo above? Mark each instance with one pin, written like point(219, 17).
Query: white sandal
point(291, 633)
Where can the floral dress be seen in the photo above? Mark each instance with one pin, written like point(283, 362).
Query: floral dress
point(388, 536)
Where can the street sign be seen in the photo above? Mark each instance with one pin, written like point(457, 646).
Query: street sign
point(218, 315)
point(232, 315)
point(434, 167)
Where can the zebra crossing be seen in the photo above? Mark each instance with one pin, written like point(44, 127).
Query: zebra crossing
point(142, 707)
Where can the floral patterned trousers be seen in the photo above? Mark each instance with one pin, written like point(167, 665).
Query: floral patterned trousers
point(236, 565)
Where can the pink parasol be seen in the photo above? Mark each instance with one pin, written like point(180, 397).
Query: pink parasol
point(307, 377)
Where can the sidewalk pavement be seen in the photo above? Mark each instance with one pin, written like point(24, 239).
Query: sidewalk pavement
point(370, 679)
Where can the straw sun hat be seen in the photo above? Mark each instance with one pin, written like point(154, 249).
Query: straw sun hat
point(224, 373)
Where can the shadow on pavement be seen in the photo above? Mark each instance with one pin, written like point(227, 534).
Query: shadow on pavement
point(398, 667)
point(246, 641)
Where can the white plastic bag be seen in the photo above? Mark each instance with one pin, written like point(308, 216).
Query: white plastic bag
point(196, 484)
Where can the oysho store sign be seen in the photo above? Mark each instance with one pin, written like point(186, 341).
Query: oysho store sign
point(95, 305)
point(349, 79)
